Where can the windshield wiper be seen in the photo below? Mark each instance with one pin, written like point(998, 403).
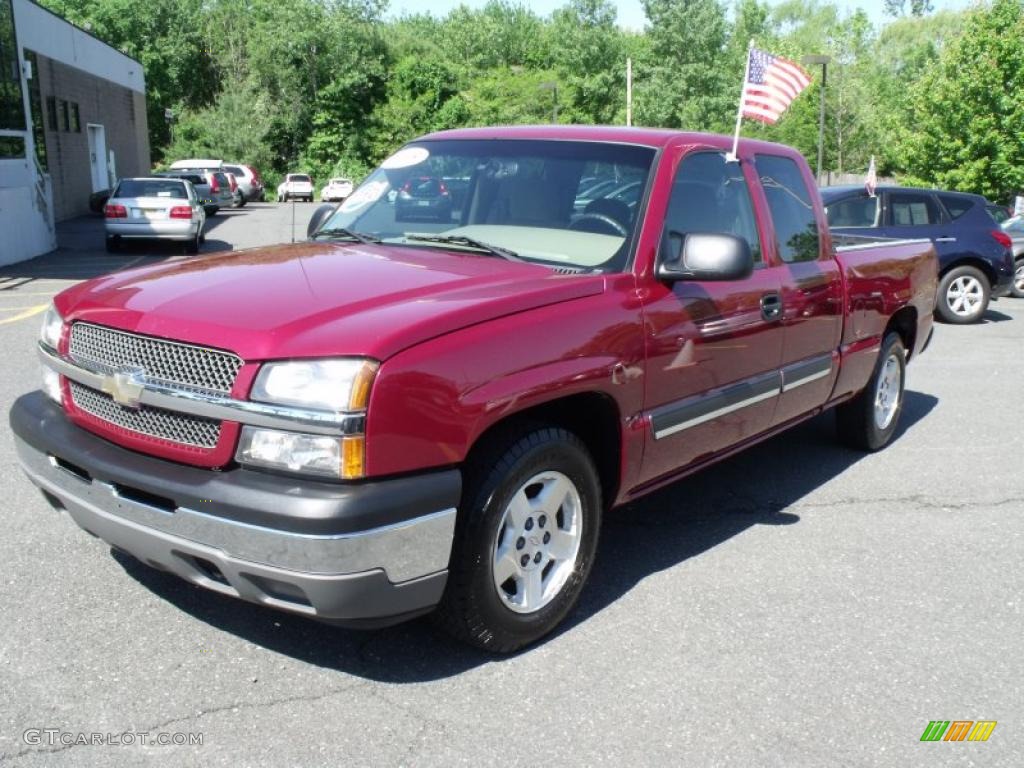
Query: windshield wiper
point(468, 242)
point(350, 234)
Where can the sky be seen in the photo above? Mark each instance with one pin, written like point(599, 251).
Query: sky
point(631, 14)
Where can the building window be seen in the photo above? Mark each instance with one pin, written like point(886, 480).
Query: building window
point(76, 123)
point(12, 147)
point(35, 105)
point(65, 115)
point(51, 112)
point(12, 106)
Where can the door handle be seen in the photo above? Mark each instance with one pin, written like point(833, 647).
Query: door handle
point(771, 306)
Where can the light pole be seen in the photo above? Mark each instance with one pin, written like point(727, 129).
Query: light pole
point(553, 87)
point(824, 61)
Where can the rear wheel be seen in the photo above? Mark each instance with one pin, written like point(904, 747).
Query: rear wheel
point(113, 243)
point(870, 420)
point(525, 539)
point(192, 246)
point(963, 295)
point(1017, 291)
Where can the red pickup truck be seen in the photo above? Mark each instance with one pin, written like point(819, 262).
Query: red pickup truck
point(430, 412)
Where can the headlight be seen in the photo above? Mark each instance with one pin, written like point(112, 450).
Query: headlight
point(330, 385)
point(53, 324)
point(339, 386)
point(337, 457)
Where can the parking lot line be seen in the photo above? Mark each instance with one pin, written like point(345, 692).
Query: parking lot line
point(29, 312)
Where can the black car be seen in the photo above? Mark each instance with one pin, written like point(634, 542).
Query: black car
point(975, 255)
point(423, 197)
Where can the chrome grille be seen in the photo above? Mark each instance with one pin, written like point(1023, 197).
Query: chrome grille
point(154, 422)
point(165, 362)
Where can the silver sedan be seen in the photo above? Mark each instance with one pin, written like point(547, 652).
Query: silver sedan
point(155, 208)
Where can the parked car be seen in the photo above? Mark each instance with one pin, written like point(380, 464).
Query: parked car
point(336, 190)
point(975, 258)
point(1014, 227)
point(197, 162)
point(212, 192)
point(445, 427)
point(98, 199)
point(249, 180)
point(296, 186)
point(423, 197)
point(154, 208)
point(237, 196)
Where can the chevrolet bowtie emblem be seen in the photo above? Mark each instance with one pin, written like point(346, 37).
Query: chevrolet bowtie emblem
point(126, 386)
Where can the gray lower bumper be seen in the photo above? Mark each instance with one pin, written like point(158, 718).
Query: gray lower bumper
point(357, 577)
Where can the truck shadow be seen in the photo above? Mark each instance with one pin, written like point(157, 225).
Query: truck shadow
point(679, 522)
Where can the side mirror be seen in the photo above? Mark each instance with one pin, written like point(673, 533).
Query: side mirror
point(319, 217)
point(703, 256)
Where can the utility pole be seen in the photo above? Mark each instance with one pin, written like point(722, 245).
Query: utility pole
point(823, 60)
point(629, 92)
point(553, 87)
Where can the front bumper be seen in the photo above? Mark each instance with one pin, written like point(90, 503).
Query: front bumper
point(363, 555)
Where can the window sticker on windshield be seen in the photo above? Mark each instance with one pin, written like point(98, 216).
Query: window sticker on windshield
point(406, 158)
point(368, 193)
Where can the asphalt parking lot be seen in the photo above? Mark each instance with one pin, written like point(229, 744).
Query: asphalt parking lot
point(798, 605)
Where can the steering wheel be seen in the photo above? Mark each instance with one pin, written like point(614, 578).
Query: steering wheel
point(608, 221)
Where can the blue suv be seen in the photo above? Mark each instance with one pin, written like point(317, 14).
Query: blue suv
point(975, 255)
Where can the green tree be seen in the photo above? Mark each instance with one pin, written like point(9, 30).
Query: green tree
point(681, 82)
point(963, 127)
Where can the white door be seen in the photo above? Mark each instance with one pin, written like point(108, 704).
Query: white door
point(98, 157)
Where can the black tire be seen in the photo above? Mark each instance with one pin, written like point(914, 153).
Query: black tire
point(113, 243)
point(471, 609)
point(945, 304)
point(192, 246)
point(1017, 290)
point(856, 419)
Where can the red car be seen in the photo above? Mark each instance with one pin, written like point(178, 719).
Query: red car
point(393, 418)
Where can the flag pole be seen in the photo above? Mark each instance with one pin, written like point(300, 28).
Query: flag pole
point(732, 157)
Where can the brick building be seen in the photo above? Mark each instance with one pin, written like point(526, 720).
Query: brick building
point(72, 120)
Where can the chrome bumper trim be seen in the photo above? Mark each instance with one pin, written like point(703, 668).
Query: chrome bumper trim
point(405, 551)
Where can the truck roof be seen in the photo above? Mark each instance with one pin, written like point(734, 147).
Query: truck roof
point(651, 137)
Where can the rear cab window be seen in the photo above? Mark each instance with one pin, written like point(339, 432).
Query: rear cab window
point(791, 207)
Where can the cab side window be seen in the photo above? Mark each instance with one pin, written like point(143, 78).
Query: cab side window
point(859, 211)
point(789, 202)
point(710, 195)
point(911, 209)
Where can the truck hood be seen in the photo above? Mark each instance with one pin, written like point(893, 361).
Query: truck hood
point(317, 299)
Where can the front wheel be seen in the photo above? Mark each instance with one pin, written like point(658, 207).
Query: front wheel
point(525, 539)
point(870, 419)
point(1017, 291)
point(963, 295)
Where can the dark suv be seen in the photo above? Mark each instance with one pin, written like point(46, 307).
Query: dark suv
point(975, 255)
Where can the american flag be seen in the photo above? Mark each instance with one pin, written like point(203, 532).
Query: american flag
point(772, 84)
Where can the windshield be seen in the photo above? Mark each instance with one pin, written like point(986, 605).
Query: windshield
point(564, 203)
point(298, 177)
